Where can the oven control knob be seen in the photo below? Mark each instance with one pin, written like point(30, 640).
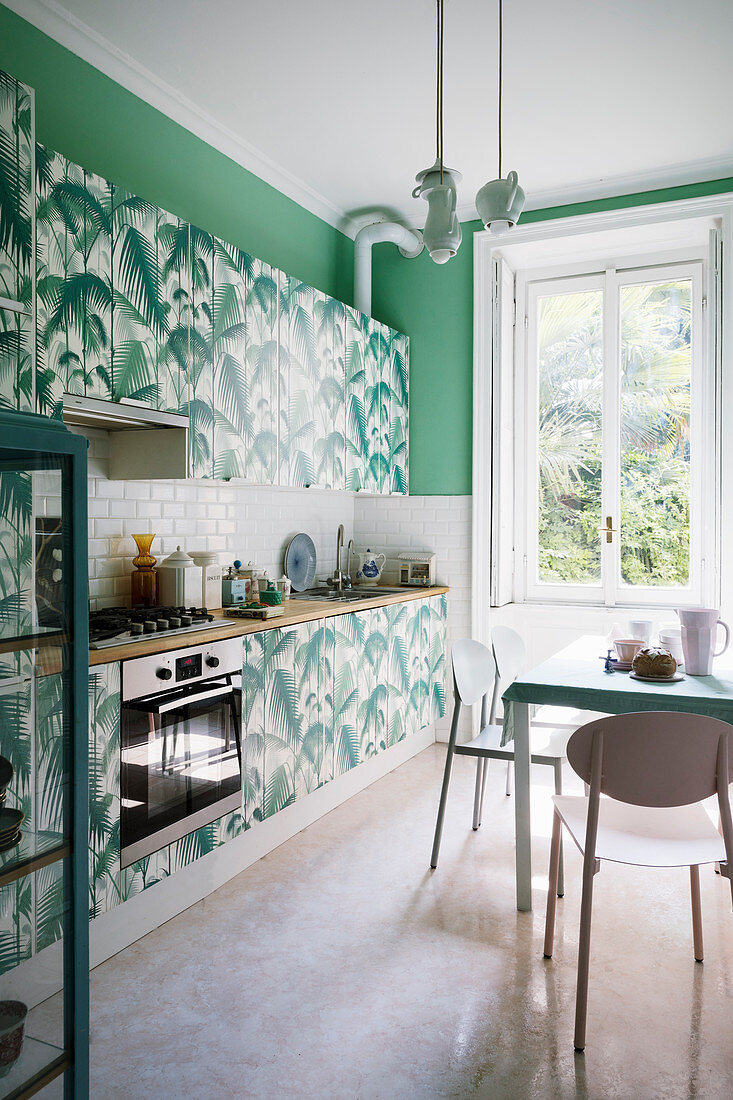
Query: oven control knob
point(212, 662)
point(164, 674)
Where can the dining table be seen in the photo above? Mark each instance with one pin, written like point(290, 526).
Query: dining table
point(575, 678)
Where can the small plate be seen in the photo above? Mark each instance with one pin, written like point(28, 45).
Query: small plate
point(6, 845)
point(657, 679)
point(300, 562)
point(10, 820)
point(621, 666)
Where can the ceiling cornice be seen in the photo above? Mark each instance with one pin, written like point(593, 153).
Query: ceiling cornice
point(679, 175)
point(81, 39)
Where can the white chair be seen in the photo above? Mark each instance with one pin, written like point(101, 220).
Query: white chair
point(477, 676)
point(656, 768)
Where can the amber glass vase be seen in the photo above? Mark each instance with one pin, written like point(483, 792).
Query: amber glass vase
point(145, 578)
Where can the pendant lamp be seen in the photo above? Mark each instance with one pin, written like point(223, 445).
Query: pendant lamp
point(438, 184)
point(500, 202)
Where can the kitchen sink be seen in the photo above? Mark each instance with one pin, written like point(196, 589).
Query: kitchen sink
point(349, 595)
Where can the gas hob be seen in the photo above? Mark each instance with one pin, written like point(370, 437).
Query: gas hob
point(114, 626)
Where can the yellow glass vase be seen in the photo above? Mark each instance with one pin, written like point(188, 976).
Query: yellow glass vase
point(144, 582)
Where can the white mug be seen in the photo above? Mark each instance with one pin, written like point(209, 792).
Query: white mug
point(640, 628)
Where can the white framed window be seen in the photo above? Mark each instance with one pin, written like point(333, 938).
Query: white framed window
point(614, 458)
point(601, 364)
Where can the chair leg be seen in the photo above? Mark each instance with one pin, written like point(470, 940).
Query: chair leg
point(696, 912)
point(581, 997)
point(441, 807)
point(509, 773)
point(477, 793)
point(484, 773)
point(552, 888)
point(557, 768)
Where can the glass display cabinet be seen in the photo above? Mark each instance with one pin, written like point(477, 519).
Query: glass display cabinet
point(44, 929)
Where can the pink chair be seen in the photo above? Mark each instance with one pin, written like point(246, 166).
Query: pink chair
point(656, 768)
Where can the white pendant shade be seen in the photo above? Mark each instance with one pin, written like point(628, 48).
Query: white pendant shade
point(442, 233)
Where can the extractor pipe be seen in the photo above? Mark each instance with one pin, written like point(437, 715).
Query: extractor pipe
point(409, 242)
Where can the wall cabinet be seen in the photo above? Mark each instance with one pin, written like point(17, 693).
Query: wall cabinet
point(17, 243)
point(320, 698)
point(283, 384)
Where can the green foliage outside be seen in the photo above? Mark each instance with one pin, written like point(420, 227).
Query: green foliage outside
point(654, 480)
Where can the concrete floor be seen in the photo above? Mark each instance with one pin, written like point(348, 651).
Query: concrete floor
point(340, 966)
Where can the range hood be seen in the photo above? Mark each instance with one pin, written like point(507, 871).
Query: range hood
point(143, 442)
point(117, 416)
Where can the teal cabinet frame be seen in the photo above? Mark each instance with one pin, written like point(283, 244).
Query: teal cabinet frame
point(45, 659)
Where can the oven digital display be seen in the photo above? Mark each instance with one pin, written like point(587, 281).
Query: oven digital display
point(188, 668)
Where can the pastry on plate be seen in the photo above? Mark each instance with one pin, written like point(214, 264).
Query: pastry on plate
point(654, 661)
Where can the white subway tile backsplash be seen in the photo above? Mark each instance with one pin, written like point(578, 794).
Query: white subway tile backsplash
point(251, 522)
point(441, 524)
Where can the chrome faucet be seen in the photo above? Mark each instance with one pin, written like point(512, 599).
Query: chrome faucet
point(337, 574)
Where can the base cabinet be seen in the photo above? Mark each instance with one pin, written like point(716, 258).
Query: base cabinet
point(320, 698)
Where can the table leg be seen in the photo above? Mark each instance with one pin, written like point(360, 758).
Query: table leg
point(522, 821)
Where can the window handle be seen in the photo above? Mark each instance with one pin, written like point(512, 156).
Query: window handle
point(609, 529)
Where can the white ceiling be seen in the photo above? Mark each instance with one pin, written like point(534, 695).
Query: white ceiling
point(332, 101)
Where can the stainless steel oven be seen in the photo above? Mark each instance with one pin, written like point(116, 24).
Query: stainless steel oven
point(180, 745)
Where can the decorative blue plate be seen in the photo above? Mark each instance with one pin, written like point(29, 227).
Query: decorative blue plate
point(300, 562)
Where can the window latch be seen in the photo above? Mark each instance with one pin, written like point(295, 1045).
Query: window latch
point(609, 529)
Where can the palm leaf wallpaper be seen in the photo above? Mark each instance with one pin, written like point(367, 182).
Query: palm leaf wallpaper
point(283, 384)
point(320, 698)
point(17, 285)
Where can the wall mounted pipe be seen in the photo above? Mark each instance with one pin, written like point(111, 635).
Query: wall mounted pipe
point(409, 242)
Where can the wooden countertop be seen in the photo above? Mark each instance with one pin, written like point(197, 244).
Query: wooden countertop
point(296, 611)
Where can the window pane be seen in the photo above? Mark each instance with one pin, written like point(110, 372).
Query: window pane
point(656, 362)
point(570, 385)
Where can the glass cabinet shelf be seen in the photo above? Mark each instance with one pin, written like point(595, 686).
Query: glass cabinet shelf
point(38, 1065)
point(36, 849)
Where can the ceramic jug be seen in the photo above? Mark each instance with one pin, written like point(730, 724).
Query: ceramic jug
point(699, 631)
point(369, 570)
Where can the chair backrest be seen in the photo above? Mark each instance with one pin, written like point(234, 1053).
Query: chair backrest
point(509, 653)
point(510, 656)
point(653, 758)
point(474, 670)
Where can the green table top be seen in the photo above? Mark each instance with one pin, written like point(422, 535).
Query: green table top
point(574, 677)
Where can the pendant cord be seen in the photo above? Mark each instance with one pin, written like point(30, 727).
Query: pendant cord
point(501, 75)
point(439, 90)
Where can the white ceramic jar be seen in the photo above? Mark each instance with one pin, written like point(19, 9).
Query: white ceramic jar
point(211, 577)
point(176, 583)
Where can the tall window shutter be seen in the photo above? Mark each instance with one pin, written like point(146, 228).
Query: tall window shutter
point(502, 434)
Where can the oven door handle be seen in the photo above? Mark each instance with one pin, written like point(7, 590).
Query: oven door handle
point(149, 706)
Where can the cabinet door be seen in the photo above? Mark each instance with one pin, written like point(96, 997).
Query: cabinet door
point(232, 412)
point(140, 317)
point(173, 354)
point(395, 437)
point(74, 272)
point(374, 681)
point(329, 444)
point(436, 665)
point(299, 373)
point(357, 442)
point(350, 744)
point(282, 721)
point(108, 885)
point(17, 269)
point(373, 395)
point(200, 335)
point(262, 370)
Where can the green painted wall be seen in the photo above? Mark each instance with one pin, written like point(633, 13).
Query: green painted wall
point(434, 305)
point(96, 123)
